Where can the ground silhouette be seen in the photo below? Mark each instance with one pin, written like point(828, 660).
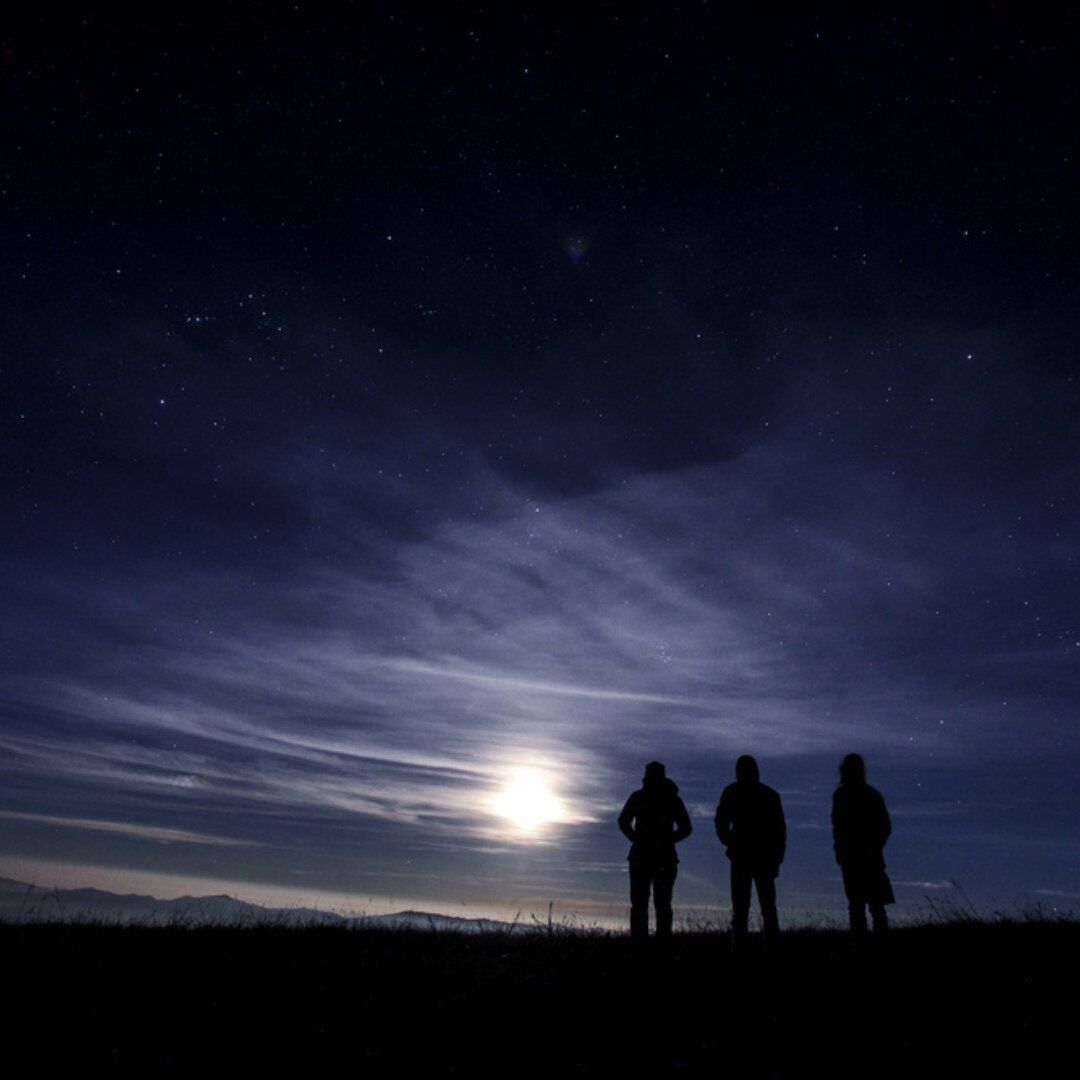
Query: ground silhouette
point(963, 1000)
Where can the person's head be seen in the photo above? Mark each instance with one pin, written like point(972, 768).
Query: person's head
point(655, 773)
point(746, 770)
point(853, 770)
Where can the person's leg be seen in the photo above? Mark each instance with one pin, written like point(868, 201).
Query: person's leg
point(855, 891)
point(663, 887)
point(857, 915)
point(881, 920)
point(741, 883)
point(639, 900)
point(766, 892)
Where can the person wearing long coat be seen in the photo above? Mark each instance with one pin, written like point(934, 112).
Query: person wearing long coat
point(860, 829)
point(654, 820)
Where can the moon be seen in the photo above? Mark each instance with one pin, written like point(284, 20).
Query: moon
point(526, 801)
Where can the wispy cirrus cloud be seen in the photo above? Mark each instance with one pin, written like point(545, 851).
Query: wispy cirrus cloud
point(142, 832)
point(389, 690)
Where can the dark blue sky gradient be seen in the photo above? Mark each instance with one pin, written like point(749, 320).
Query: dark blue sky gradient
point(392, 403)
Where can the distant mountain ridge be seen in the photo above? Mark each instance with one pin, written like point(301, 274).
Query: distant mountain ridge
point(25, 903)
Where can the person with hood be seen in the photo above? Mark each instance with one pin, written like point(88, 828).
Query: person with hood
point(750, 824)
point(860, 828)
point(654, 820)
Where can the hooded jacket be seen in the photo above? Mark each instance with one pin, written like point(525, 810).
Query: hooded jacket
point(654, 820)
point(860, 825)
point(750, 823)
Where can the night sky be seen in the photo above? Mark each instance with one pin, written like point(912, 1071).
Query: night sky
point(403, 405)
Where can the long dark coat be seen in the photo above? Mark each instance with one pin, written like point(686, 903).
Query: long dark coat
point(860, 828)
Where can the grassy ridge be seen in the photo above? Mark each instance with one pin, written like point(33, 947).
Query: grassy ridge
point(941, 1000)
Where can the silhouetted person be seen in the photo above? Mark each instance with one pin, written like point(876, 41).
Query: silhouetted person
point(750, 824)
point(654, 820)
point(860, 827)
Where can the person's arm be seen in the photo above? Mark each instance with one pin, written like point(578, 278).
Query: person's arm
point(626, 819)
point(837, 829)
point(683, 828)
point(781, 832)
point(723, 819)
point(886, 824)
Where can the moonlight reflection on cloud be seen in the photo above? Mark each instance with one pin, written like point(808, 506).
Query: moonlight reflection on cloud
point(527, 802)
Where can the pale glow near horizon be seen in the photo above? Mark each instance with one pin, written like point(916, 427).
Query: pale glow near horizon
point(46, 875)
